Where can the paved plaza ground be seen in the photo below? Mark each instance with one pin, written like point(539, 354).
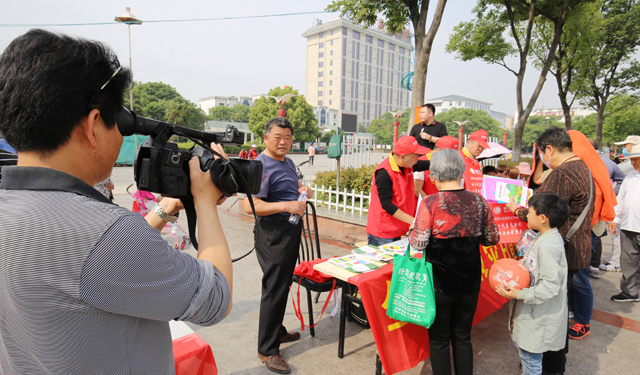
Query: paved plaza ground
point(611, 348)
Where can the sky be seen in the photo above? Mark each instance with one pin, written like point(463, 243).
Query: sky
point(246, 57)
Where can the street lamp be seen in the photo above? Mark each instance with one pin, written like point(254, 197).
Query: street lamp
point(128, 18)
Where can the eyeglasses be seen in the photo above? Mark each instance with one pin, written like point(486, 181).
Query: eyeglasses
point(102, 88)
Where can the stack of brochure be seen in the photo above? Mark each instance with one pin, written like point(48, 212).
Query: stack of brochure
point(354, 263)
point(375, 253)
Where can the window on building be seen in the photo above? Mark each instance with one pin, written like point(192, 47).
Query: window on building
point(344, 67)
point(320, 93)
point(357, 70)
point(321, 45)
point(330, 101)
point(330, 83)
point(401, 50)
point(331, 33)
point(320, 74)
point(353, 68)
point(343, 87)
point(358, 51)
point(321, 64)
point(331, 72)
point(331, 41)
point(353, 49)
point(369, 39)
point(392, 47)
point(342, 104)
point(380, 43)
point(344, 31)
point(356, 35)
point(319, 102)
point(321, 54)
point(351, 105)
point(370, 53)
point(331, 62)
point(323, 116)
point(389, 60)
point(330, 92)
point(356, 109)
point(331, 53)
point(369, 92)
point(321, 35)
point(320, 84)
point(357, 86)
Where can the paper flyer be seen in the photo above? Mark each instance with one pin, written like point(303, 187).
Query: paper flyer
point(501, 190)
point(354, 263)
point(375, 253)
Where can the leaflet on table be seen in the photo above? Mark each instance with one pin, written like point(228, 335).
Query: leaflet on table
point(375, 253)
point(501, 190)
point(398, 247)
point(354, 263)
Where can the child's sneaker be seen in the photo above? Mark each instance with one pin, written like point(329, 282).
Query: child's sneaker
point(579, 331)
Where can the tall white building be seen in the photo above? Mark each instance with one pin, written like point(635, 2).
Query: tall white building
point(356, 71)
point(445, 103)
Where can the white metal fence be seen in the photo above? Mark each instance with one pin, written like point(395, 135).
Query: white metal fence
point(356, 151)
point(340, 200)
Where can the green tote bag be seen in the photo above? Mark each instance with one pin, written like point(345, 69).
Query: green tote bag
point(411, 295)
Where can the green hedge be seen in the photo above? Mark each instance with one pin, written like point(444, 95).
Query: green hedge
point(358, 179)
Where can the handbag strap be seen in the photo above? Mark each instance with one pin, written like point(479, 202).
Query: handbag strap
point(407, 254)
point(576, 225)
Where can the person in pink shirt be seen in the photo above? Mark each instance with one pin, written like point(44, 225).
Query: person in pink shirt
point(312, 154)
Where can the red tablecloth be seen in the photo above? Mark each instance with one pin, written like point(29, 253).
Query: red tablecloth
point(402, 346)
point(193, 356)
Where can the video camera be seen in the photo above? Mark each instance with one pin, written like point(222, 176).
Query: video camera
point(160, 167)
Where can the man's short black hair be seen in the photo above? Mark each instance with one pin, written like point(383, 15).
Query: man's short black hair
point(556, 138)
point(280, 122)
point(551, 205)
point(431, 107)
point(47, 82)
point(489, 169)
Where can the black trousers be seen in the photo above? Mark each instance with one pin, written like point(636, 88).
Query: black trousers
point(454, 317)
point(277, 247)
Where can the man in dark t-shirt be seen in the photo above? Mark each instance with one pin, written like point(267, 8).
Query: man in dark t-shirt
point(429, 131)
point(277, 241)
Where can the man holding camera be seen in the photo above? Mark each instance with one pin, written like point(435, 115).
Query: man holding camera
point(87, 286)
point(277, 241)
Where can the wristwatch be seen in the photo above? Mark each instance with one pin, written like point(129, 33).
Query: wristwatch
point(165, 216)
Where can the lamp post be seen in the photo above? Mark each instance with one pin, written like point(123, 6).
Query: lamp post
point(128, 18)
point(460, 133)
point(396, 124)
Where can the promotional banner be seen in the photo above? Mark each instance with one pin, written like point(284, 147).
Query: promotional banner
point(402, 346)
point(510, 226)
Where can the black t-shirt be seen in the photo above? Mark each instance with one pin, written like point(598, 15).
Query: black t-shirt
point(437, 129)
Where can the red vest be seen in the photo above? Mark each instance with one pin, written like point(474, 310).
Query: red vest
point(379, 222)
point(429, 187)
point(473, 177)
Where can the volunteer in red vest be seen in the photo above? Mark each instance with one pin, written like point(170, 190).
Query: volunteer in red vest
point(393, 200)
point(253, 153)
point(422, 183)
point(476, 143)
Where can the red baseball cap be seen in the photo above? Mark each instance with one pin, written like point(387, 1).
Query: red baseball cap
point(447, 142)
point(481, 136)
point(409, 145)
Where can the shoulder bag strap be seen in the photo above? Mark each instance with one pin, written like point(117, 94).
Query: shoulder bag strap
point(581, 218)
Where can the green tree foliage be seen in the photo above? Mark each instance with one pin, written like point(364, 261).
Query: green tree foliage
point(299, 113)
point(162, 102)
point(326, 137)
point(397, 15)
point(503, 29)
point(621, 120)
point(612, 68)
point(237, 113)
point(536, 125)
point(478, 119)
point(382, 128)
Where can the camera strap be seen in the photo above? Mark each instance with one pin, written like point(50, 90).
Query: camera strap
point(192, 217)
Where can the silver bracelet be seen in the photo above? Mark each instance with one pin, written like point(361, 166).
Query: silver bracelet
point(163, 215)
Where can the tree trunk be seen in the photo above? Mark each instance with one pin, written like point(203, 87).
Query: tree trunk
point(600, 112)
point(566, 108)
point(423, 52)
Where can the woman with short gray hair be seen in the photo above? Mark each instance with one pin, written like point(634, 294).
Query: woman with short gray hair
point(450, 227)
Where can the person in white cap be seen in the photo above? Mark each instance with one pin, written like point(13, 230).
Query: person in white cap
point(631, 140)
point(253, 153)
point(628, 219)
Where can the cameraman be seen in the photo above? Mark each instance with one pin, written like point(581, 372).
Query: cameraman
point(277, 241)
point(87, 286)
